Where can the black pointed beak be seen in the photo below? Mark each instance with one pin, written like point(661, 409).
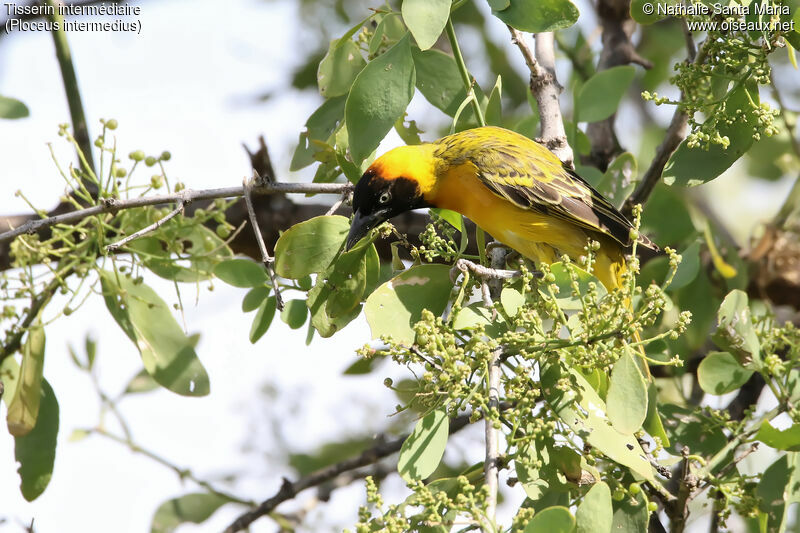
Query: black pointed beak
point(361, 226)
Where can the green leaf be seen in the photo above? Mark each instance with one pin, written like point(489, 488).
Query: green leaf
point(423, 449)
point(653, 423)
point(630, 516)
point(647, 15)
point(263, 318)
point(600, 96)
point(694, 166)
point(9, 376)
point(23, 409)
point(397, 305)
point(167, 353)
point(339, 68)
point(294, 313)
point(735, 332)
point(511, 300)
point(328, 454)
point(12, 108)
point(378, 98)
point(254, 298)
point(36, 451)
point(619, 179)
point(201, 247)
point(141, 382)
point(319, 127)
point(627, 395)
point(244, 273)
point(582, 409)
point(551, 520)
point(689, 267)
point(195, 508)
point(595, 514)
point(438, 79)
point(426, 19)
point(566, 300)
point(310, 246)
point(494, 111)
point(786, 439)
point(537, 16)
point(777, 490)
point(720, 373)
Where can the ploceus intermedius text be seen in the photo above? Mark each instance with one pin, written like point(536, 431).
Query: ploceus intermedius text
point(512, 187)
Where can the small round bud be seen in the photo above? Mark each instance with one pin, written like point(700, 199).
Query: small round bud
point(388, 382)
point(223, 231)
point(634, 488)
point(150, 161)
point(652, 507)
point(618, 495)
point(112, 124)
point(120, 172)
point(156, 181)
point(98, 142)
point(179, 186)
point(165, 156)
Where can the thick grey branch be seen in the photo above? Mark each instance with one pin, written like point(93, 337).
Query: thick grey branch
point(546, 90)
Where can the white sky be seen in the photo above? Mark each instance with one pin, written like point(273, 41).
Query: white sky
point(183, 85)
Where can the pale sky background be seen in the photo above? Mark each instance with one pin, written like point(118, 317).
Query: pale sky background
point(186, 84)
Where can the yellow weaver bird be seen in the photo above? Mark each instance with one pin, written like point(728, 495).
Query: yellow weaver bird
point(515, 189)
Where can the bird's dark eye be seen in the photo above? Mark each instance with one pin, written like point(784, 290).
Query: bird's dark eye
point(385, 197)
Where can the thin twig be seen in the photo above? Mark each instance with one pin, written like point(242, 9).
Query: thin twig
point(463, 265)
point(338, 204)
point(290, 489)
point(265, 257)
point(180, 472)
point(462, 68)
point(676, 132)
point(152, 227)
point(491, 433)
point(113, 205)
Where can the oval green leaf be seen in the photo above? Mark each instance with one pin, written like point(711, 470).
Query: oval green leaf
point(600, 96)
point(689, 267)
point(537, 16)
point(263, 318)
point(167, 353)
point(551, 520)
point(786, 439)
point(438, 80)
point(254, 298)
point(294, 313)
point(23, 409)
point(194, 508)
point(36, 451)
point(379, 96)
point(310, 246)
point(426, 19)
point(423, 449)
point(594, 514)
point(12, 108)
point(244, 273)
point(339, 68)
point(397, 305)
point(735, 331)
point(720, 373)
point(694, 166)
point(627, 395)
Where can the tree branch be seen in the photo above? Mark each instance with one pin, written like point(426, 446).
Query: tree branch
point(79, 127)
point(546, 90)
point(290, 489)
point(113, 205)
point(617, 50)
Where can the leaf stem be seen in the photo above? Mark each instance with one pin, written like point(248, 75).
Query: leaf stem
point(462, 68)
